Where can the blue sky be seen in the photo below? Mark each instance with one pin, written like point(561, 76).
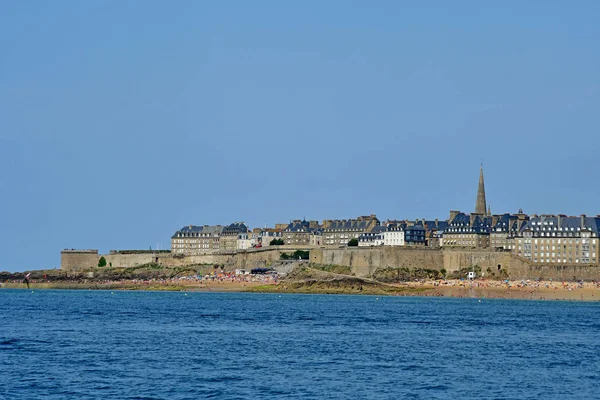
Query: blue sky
point(122, 121)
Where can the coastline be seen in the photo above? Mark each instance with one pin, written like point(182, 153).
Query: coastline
point(478, 289)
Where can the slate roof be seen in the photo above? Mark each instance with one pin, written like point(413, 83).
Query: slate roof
point(508, 223)
point(349, 225)
point(440, 226)
point(195, 230)
point(567, 224)
point(235, 228)
point(299, 226)
point(462, 224)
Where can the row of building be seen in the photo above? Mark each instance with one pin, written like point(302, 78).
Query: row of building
point(542, 239)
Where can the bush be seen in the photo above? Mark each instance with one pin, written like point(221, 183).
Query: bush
point(102, 262)
point(297, 255)
point(353, 242)
point(277, 242)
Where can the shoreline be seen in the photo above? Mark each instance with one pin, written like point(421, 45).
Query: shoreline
point(478, 289)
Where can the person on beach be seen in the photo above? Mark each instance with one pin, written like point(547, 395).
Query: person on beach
point(26, 280)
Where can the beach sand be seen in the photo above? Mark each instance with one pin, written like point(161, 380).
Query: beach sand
point(532, 290)
point(542, 290)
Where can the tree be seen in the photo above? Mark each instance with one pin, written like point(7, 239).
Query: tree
point(301, 255)
point(102, 262)
point(277, 242)
point(353, 242)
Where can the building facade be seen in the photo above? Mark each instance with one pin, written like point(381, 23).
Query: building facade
point(197, 240)
point(230, 235)
point(558, 239)
point(467, 231)
point(373, 238)
point(267, 235)
point(340, 232)
point(298, 233)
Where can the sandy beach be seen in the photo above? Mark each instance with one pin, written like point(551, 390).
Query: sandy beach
point(529, 290)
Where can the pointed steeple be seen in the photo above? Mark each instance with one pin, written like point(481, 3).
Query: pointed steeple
point(480, 205)
point(489, 210)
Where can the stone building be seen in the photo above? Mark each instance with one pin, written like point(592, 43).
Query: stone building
point(467, 231)
point(267, 235)
point(373, 238)
point(299, 232)
point(505, 229)
point(340, 232)
point(316, 237)
point(230, 235)
point(194, 240)
point(558, 239)
point(434, 230)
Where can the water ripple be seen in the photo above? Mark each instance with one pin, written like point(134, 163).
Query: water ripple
point(132, 345)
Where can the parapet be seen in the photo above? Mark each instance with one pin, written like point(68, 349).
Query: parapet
point(85, 251)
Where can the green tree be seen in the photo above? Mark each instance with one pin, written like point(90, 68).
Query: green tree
point(301, 255)
point(353, 242)
point(102, 262)
point(276, 242)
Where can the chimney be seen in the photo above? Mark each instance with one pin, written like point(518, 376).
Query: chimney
point(582, 221)
point(453, 214)
point(559, 220)
point(472, 217)
point(436, 224)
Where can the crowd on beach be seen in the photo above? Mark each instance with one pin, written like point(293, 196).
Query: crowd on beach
point(531, 289)
point(478, 283)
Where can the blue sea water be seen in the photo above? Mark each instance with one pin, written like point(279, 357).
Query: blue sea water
point(152, 345)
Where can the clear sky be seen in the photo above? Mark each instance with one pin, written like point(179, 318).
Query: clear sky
point(122, 121)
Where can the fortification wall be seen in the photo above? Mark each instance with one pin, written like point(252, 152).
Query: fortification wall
point(557, 273)
point(128, 260)
point(78, 259)
point(71, 260)
point(362, 261)
point(493, 264)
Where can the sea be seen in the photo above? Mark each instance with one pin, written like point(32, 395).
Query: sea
point(59, 344)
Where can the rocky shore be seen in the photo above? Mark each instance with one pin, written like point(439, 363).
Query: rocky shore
point(303, 279)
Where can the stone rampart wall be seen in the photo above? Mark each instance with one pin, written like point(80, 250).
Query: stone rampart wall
point(246, 259)
point(362, 261)
point(71, 259)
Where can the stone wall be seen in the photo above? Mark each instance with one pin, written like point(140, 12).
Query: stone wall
point(258, 258)
point(78, 259)
point(362, 261)
point(557, 273)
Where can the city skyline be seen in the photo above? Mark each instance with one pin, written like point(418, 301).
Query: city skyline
point(152, 117)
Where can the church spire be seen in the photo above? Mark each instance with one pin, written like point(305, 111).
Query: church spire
point(480, 205)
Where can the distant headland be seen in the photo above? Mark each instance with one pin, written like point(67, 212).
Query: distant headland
point(364, 252)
